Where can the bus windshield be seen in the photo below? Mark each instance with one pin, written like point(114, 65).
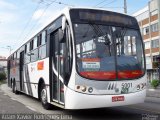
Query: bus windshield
point(108, 52)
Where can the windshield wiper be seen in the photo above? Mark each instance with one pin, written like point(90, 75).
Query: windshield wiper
point(120, 33)
point(107, 41)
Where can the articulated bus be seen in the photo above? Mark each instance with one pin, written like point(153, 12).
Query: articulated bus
point(86, 58)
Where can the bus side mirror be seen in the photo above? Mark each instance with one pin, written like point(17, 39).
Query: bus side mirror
point(29, 54)
point(61, 34)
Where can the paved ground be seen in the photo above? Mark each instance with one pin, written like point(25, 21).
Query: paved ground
point(150, 110)
point(9, 105)
point(153, 93)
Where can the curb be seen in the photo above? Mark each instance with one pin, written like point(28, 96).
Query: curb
point(153, 93)
point(152, 100)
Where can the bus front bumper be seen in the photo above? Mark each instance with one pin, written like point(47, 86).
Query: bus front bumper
point(76, 100)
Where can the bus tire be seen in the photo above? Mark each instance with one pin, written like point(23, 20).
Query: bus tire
point(43, 97)
point(14, 87)
point(11, 84)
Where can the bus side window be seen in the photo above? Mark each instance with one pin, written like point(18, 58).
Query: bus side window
point(34, 52)
point(31, 45)
point(39, 42)
point(35, 43)
point(42, 51)
point(43, 41)
point(27, 56)
point(42, 48)
point(25, 50)
point(34, 55)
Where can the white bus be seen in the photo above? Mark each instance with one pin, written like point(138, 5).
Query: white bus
point(85, 58)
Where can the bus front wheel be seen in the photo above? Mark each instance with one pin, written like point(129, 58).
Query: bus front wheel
point(43, 97)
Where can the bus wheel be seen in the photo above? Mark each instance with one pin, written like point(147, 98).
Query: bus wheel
point(14, 88)
point(43, 97)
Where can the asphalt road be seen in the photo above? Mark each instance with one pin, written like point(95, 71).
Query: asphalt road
point(23, 104)
point(9, 105)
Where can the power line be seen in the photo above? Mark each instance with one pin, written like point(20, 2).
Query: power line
point(28, 21)
point(48, 4)
point(99, 3)
point(109, 3)
point(39, 18)
point(115, 7)
point(61, 3)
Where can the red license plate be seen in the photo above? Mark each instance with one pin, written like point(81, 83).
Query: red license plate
point(117, 98)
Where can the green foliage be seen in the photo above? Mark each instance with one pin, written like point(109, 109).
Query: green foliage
point(155, 64)
point(154, 83)
point(2, 76)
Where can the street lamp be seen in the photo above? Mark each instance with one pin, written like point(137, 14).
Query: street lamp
point(10, 49)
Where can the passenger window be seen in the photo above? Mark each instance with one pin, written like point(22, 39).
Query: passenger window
point(35, 43)
point(43, 37)
point(34, 55)
point(27, 56)
point(15, 55)
point(39, 40)
point(42, 52)
point(31, 45)
point(25, 49)
point(28, 48)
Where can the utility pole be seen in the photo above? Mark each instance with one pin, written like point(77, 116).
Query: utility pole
point(125, 6)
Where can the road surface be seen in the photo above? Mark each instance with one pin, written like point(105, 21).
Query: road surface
point(23, 104)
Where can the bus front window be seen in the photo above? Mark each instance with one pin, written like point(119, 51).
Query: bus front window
point(108, 52)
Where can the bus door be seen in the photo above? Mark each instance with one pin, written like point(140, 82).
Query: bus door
point(21, 66)
point(57, 68)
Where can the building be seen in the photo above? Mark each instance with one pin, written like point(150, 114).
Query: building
point(149, 22)
point(3, 64)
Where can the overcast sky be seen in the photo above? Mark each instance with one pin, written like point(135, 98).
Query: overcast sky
point(21, 19)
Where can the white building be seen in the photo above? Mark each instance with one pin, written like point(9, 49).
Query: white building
point(3, 64)
point(149, 22)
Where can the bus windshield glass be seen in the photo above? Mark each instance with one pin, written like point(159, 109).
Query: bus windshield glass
point(108, 52)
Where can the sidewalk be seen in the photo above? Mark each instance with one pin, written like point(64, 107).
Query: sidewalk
point(151, 92)
point(152, 100)
point(153, 95)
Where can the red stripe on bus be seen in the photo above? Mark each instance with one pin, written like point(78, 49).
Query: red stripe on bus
point(99, 75)
point(103, 75)
point(129, 74)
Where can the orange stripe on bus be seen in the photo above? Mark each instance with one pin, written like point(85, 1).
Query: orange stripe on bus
point(40, 65)
point(90, 59)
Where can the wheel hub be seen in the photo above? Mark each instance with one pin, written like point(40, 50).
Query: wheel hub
point(43, 96)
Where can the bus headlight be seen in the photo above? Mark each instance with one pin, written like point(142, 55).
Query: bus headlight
point(81, 88)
